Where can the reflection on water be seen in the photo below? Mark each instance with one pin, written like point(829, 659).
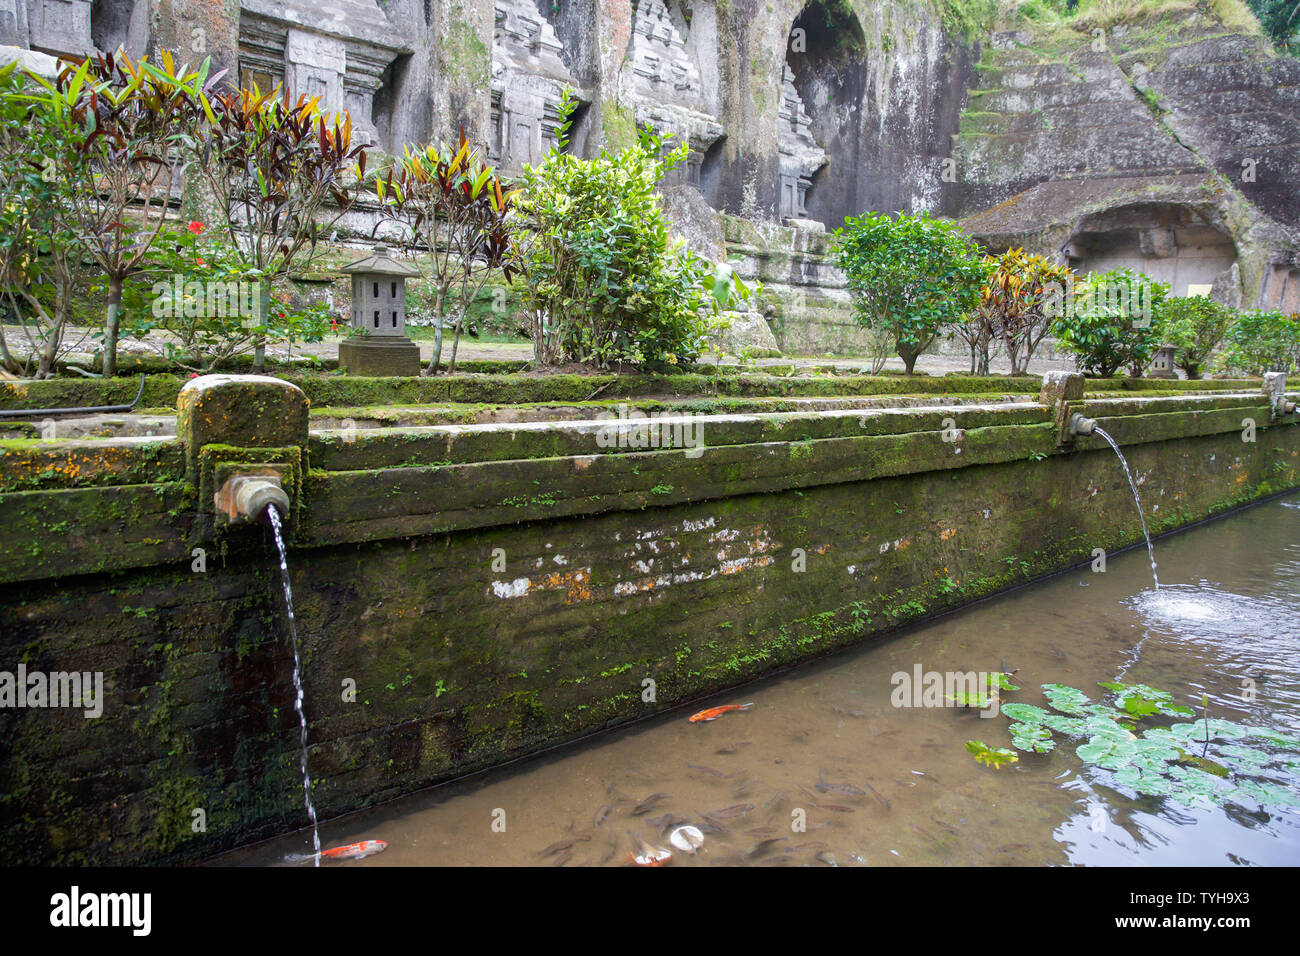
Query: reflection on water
point(878, 785)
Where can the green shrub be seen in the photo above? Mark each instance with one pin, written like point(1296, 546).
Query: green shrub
point(603, 281)
point(1106, 320)
point(1259, 341)
point(1194, 325)
point(910, 277)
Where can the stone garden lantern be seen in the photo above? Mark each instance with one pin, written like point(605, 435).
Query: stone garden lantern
point(1162, 366)
point(379, 311)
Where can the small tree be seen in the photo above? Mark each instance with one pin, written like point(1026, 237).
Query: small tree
point(451, 204)
point(976, 331)
point(909, 275)
point(1013, 303)
point(39, 259)
point(1107, 321)
point(1194, 325)
point(273, 169)
point(127, 125)
point(1262, 341)
point(604, 282)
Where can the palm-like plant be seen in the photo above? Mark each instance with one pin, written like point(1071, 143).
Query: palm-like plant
point(449, 204)
point(274, 170)
point(125, 127)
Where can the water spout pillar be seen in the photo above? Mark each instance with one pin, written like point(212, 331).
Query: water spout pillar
point(245, 439)
point(1062, 392)
point(1275, 391)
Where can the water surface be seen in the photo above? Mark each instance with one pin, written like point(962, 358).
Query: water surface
point(1225, 623)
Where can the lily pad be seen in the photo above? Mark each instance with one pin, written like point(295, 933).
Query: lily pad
point(1025, 713)
point(1029, 737)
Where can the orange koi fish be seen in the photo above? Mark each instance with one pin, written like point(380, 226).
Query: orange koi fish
point(713, 713)
point(354, 851)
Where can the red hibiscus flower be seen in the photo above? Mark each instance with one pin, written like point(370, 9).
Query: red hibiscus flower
point(195, 227)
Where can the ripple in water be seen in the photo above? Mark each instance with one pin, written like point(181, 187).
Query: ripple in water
point(1192, 611)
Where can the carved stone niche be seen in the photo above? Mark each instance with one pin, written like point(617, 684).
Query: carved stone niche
point(337, 51)
point(56, 27)
point(528, 77)
point(801, 156)
point(666, 90)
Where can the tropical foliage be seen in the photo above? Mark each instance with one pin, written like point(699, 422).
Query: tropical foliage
point(1014, 307)
point(911, 276)
point(1107, 321)
point(451, 205)
point(124, 128)
point(1262, 341)
point(41, 266)
point(274, 170)
point(603, 281)
point(1195, 326)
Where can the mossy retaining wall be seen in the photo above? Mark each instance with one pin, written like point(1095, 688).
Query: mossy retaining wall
point(495, 590)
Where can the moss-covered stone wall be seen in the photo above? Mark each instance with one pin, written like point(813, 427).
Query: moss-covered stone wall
point(483, 620)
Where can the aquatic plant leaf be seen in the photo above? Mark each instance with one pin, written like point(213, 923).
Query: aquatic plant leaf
point(1001, 681)
point(1031, 738)
point(1096, 726)
point(1025, 713)
point(1274, 736)
point(1068, 700)
point(1107, 752)
point(1203, 763)
point(1215, 727)
point(1074, 726)
point(1248, 756)
point(1268, 794)
point(1169, 762)
point(1142, 700)
point(1153, 785)
point(1163, 737)
point(968, 699)
point(989, 756)
point(1194, 787)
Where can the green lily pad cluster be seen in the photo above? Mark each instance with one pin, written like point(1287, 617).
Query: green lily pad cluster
point(1197, 762)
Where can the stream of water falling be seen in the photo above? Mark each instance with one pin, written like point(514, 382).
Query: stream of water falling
point(274, 516)
point(1151, 551)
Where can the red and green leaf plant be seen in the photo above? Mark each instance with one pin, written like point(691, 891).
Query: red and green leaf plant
point(275, 171)
point(1015, 304)
point(451, 210)
point(125, 126)
point(41, 267)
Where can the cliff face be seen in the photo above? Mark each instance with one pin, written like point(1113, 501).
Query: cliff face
point(1168, 141)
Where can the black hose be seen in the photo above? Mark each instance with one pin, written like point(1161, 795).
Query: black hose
point(92, 410)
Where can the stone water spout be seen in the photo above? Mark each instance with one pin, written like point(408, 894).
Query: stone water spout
point(248, 498)
point(1080, 425)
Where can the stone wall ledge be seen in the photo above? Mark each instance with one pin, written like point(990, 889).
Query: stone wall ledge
point(401, 483)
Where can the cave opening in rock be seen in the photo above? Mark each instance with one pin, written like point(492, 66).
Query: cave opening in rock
point(822, 93)
point(1180, 245)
